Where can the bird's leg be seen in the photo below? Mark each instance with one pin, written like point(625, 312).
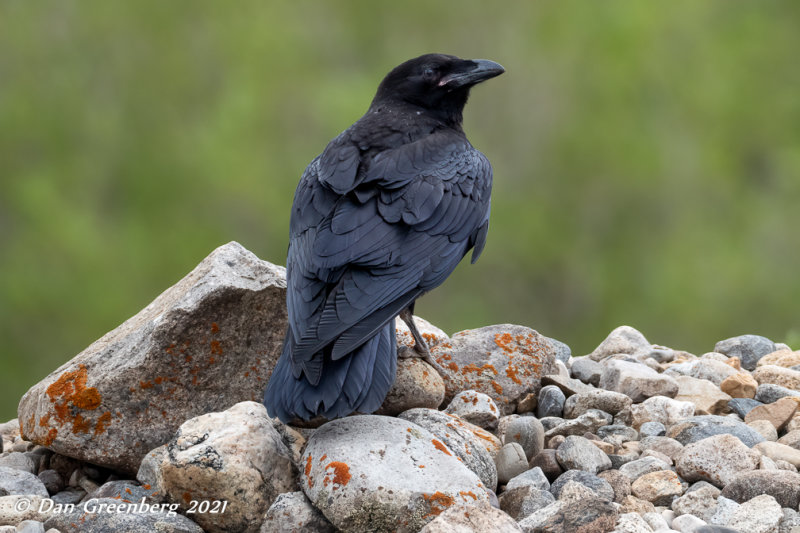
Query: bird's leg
point(420, 346)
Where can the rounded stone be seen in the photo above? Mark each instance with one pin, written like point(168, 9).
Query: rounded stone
point(578, 453)
point(652, 429)
point(474, 407)
point(551, 401)
point(658, 488)
point(528, 432)
point(511, 462)
point(376, 472)
point(599, 486)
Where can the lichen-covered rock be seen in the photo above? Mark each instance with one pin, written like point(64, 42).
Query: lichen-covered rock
point(473, 518)
point(504, 361)
point(205, 344)
point(460, 438)
point(430, 333)
point(580, 515)
point(717, 459)
point(234, 456)
point(291, 512)
point(416, 384)
point(474, 407)
point(378, 473)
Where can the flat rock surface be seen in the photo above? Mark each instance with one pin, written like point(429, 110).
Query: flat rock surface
point(383, 474)
point(204, 344)
point(503, 361)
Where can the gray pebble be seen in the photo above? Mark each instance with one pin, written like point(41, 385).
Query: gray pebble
point(652, 429)
point(551, 402)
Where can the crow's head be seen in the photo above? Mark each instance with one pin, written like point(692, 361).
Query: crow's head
point(438, 83)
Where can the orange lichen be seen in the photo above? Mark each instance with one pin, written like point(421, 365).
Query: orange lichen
point(308, 470)
point(497, 388)
point(187, 497)
point(441, 447)
point(453, 367)
point(214, 327)
point(44, 420)
point(511, 372)
point(146, 486)
point(341, 473)
point(102, 423)
point(439, 502)
point(79, 425)
point(51, 436)
point(216, 348)
point(466, 493)
point(146, 384)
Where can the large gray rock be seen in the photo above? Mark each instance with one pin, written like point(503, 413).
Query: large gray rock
point(473, 518)
point(782, 485)
point(624, 340)
point(578, 453)
point(291, 512)
point(640, 467)
point(459, 439)
point(511, 462)
point(14, 481)
point(701, 503)
point(717, 459)
point(748, 348)
point(383, 474)
point(701, 427)
point(204, 344)
point(234, 456)
point(636, 380)
point(533, 477)
point(504, 361)
point(90, 517)
point(770, 393)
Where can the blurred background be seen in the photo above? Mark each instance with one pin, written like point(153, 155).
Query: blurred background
point(646, 158)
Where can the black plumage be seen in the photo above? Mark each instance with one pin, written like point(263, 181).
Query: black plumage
point(382, 216)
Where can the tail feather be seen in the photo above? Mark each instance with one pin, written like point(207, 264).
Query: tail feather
point(357, 382)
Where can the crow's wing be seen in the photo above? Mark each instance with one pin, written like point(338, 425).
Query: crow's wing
point(356, 260)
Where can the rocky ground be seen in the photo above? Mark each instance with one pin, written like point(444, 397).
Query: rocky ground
point(157, 426)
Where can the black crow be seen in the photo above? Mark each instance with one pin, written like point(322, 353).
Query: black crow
point(382, 216)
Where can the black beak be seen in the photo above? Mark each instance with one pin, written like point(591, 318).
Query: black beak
point(473, 71)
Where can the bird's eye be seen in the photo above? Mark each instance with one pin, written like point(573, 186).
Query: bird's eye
point(429, 73)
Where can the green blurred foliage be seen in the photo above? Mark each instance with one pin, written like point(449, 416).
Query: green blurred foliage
point(646, 156)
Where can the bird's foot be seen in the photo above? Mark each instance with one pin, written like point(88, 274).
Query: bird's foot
point(420, 349)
